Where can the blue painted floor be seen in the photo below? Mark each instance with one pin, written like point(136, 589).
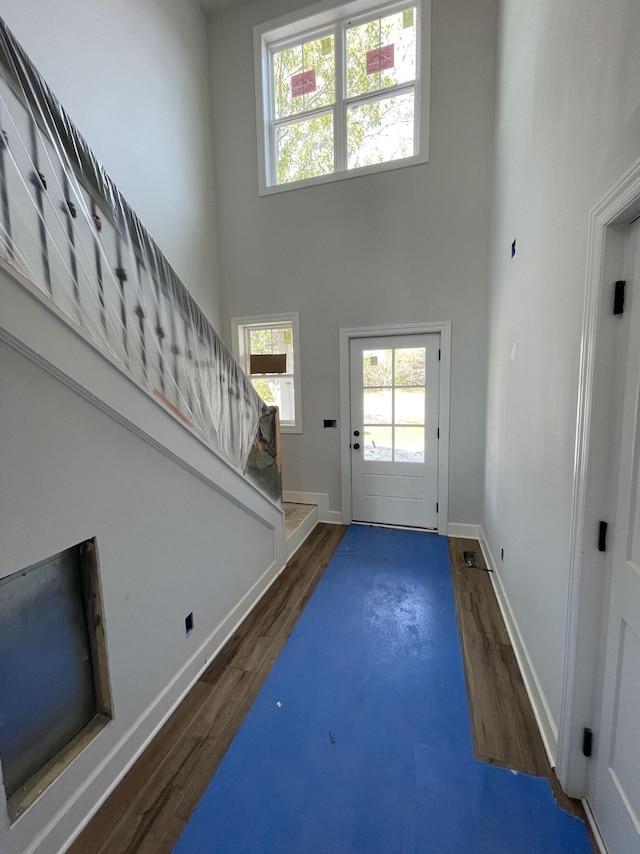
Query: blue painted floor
point(360, 740)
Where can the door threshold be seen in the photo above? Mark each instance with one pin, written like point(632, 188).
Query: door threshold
point(397, 527)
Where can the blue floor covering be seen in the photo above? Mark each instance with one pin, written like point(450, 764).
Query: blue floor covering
point(360, 741)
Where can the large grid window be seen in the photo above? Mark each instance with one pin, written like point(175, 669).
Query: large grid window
point(267, 349)
point(341, 94)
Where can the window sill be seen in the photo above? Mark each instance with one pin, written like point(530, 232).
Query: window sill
point(416, 160)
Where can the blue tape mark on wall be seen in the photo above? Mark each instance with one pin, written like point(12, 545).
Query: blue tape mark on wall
point(359, 740)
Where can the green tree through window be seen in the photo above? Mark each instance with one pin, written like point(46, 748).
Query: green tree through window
point(277, 379)
point(344, 96)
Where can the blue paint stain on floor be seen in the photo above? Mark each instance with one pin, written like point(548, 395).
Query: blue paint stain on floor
point(360, 741)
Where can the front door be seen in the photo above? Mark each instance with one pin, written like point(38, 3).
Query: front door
point(394, 429)
point(614, 783)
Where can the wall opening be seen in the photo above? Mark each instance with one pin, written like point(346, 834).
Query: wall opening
point(53, 669)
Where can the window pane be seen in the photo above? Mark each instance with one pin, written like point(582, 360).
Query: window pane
point(377, 368)
point(305, 149)
point(409, 406)
point(381, 53)
point(410, 366)
point(270, 341)
point(378, 444)
point(277, 391)
point(409, 445)
point(263, 341)
point(380, 131)
point(304, 77)
point(377, 406)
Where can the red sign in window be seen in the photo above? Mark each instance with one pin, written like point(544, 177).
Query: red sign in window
point(380, 58)
point(303, 83)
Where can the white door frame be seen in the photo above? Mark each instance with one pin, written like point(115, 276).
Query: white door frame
point(444, 328)
point(587, 588)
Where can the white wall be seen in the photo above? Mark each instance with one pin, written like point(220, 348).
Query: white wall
point(86, 453)
point(133, 77)
point(568, 126)
point(398, 247)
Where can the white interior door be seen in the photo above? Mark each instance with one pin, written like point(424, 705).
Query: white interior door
point(614, 781)
point(394, 429)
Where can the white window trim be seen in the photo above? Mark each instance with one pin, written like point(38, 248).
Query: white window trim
point(238, 350)
point(317, 16)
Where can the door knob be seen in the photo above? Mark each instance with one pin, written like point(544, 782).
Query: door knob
point(356, 446)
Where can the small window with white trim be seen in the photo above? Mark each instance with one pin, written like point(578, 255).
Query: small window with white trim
point(341, 92)
point(267, 348)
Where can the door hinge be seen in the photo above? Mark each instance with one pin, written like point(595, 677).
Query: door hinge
point(618, 297)
point(438, 432)
point(602, 537)
point(437, 507)
point(439, 355)
point(587, 742)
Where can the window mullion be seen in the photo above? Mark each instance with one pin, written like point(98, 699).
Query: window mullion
point(339, 116)
point(393, 405)
point(378, 150)
point(273, 145)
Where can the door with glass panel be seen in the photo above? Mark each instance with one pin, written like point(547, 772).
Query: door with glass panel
point(395, 384)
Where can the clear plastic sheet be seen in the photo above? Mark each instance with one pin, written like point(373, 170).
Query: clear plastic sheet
point(65, 226)
point(266, 450)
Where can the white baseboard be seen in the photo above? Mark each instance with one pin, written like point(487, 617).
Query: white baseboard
point(166, 703)
point(460, 529)
point(541, 709)
point(320, 499)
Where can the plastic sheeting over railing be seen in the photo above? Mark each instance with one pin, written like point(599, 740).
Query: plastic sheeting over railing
point(65, 226)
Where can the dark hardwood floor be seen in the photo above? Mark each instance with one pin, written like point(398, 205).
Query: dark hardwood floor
point(503, 725)
point(151, 806)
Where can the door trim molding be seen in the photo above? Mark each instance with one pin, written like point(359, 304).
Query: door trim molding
point(346, 335)
point(617, 208)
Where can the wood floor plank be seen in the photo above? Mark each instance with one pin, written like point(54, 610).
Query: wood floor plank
point(162, 835)
point(95, 837)
point(278, 646)
point(149, 809)
point(205, 764)
point(502, 722)
point(503, 725)
point(155, 801)
point(253, 655)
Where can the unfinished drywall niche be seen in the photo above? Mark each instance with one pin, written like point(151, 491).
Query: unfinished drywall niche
point(53, 670)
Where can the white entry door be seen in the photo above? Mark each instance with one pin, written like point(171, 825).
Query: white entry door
point(614, 783)
point(394, 429)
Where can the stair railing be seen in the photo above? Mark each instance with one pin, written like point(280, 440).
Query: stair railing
point(65, 226)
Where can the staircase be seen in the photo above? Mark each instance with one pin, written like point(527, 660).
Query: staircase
point(124, 420)
point(66, 228)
